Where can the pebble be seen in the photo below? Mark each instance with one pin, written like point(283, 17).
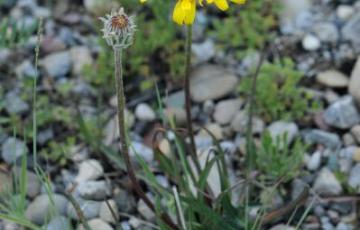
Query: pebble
point(89, 170)
point(41, 208)
point(144, 112)
point(326, 32)
point(97, 224)
point(106, 213)
point(57, 64)
point(356, 155)
point(351, 30)
point(14, 104)
point(354, 84)
point(355, 131)
point(314, 161)
point(282, 227)
point(226, 110)
point(311, 42)
point(354, 178)
point(342, 114)
point(25, 69)
point(125, 201)
point(344, 12)
point(333, 79)
point(139, 149)
point(81, 57)
point(12, 149)
point(99, 8)
point(209, 82)
point(176, 113)
point(59, 223)
point(94, 190)
point(89, 208)
point(240, 123)
point(176, 99)
point(297, 187)
point(214, 129)
point(327, 184)
point(327, 139)
point(278, 129)
point(145, 211)
point(203, 51)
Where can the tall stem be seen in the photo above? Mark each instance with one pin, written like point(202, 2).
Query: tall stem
point(123, 142)
point(188, 98)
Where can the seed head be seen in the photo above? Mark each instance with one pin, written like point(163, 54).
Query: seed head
point(119, 29)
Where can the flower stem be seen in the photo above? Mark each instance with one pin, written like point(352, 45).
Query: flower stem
point(123, 142)
point(187, 97)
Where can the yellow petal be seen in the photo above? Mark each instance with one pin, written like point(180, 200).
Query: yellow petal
point(239, 1)
point(190, 16)
point(222, 4)
point(142, 1)
point(178, 14)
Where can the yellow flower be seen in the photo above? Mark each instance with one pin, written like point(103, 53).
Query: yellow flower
point(223, 4)
point(185, 10)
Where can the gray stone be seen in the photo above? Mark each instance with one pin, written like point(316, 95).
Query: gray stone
point(342, 114)
point(125, 201)
point(354, 178)
point(314, 161)
point(210, 82)
point(57, 64)
point(89, 170)
point(203, 51)
point(297, 187)
point(94, 190)
point(240, 123)
point(25, 69)
point(226, 110)
point(81, 57)
point(333, 78)
point(327, 184)
point(278, 129)
point(106, 213)
point(344, 12)
point(14, 104)
point(351, 30)
point(12, 149)
point(326, 32)
point(144, 112)
point(89, 208)
point(145, 211)
point(282, 227)
point(97, 224)
point(327, 139)
point(292, 16)
point(176, 100)
point(141, 150)
point(98, 7)
point(311, 43)
point(41, 208)
point(59, 223)
point(355, 131)
point(354, 84)
point(176, 113)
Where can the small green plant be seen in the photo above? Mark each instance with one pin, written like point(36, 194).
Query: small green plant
point(277, 160)
point(278, 95)
point(253, 24)
point(13, 33)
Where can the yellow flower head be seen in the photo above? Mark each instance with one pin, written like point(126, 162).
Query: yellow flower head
point(185, 10)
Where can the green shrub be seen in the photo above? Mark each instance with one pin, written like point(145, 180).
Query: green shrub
point(248, 27)
point(278, 160)
point(14, 34)
point(278, 95)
